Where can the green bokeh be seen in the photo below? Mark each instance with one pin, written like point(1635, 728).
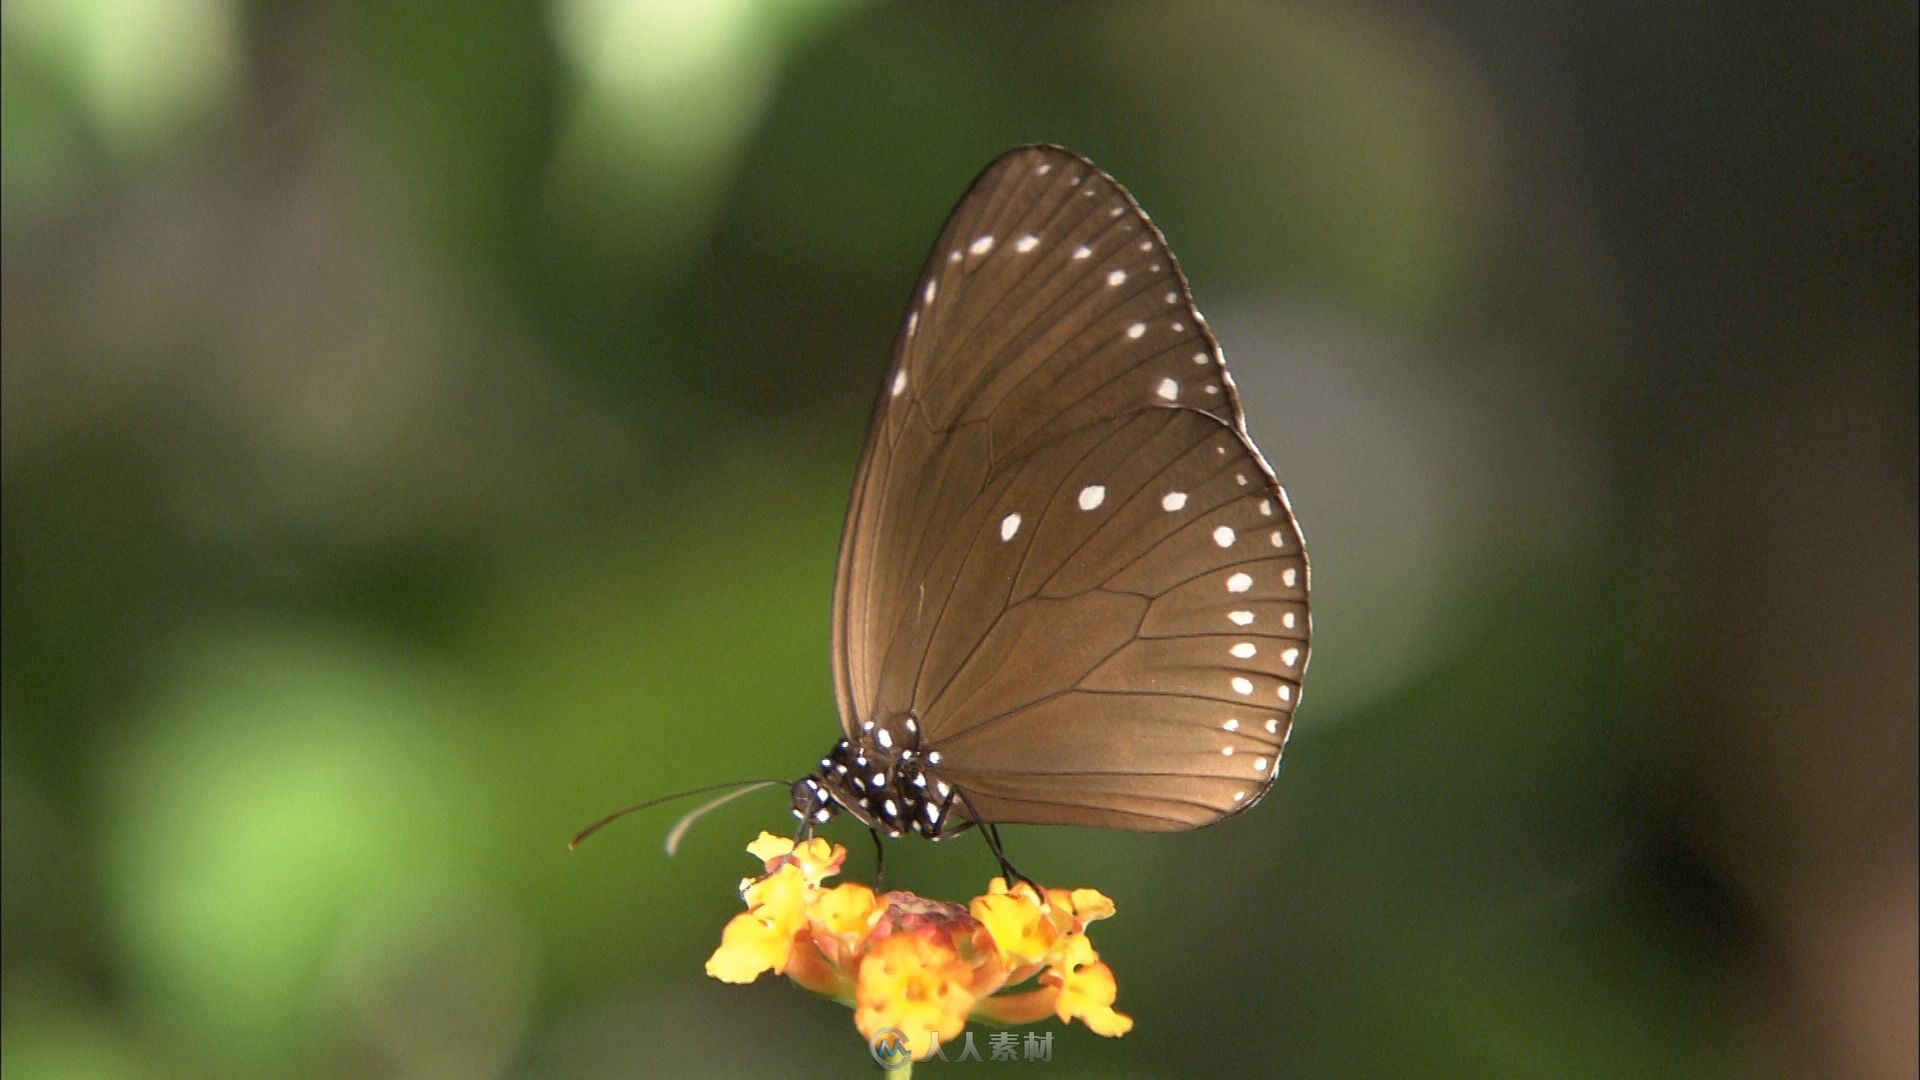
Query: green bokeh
point(427, 429)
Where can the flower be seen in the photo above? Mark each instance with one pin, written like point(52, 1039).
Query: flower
point(916, 966)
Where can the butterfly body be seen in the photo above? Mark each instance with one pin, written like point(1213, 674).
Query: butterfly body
point(895, 788)
point(1070, 589)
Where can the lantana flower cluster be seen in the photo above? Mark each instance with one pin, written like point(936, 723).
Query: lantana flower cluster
point(916, 966)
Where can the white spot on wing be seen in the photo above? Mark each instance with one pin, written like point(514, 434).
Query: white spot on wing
point(1259, 764)
point(1173, 500)
point(1290, 657)
point(1239, 796)
point(1008, 526)
point(1273, 727)
point(1243, 651)
point(1239, 582)
point(1137, 330)
point(1288, 577)
point(1201, 358)
point(1231, 725)
point(1026, 243)
point(1287, 620)
point(1116, 277)
point(899, 383)
point(1082, 252)
point(1092, 496)
point(1224, 536)
point(1240, 618)
point(981, 246)
point(1168, 389)
point(932, 289)
point(1242, 685)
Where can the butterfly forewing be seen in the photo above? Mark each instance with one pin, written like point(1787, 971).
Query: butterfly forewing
point(1064, 557)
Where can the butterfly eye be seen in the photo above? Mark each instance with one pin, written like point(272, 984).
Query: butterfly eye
point(1068, 579)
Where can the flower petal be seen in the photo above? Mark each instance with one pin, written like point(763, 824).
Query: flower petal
point(767, 847)
point(748, 947)
point(819, 859)
point(1087, 990)
point(845, 909)
point(1019, 927)
point(1090, 905)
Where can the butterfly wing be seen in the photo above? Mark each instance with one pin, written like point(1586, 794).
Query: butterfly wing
point(1064, 556)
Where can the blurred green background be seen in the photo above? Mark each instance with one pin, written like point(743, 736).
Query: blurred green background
point(427, 427)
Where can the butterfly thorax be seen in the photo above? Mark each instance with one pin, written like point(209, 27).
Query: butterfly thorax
point(886, 779)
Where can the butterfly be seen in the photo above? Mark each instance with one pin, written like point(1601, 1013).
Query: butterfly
point(1070, 589)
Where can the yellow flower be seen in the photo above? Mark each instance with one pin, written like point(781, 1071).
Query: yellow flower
point(917, 966)
point(917, 985)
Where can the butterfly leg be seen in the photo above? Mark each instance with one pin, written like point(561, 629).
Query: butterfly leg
point(992, 835)
point(879, 859)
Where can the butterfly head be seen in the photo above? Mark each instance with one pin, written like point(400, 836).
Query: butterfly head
point(811, 802)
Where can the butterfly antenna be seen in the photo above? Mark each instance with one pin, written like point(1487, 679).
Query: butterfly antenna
point(650, 803)
point(679, 830)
